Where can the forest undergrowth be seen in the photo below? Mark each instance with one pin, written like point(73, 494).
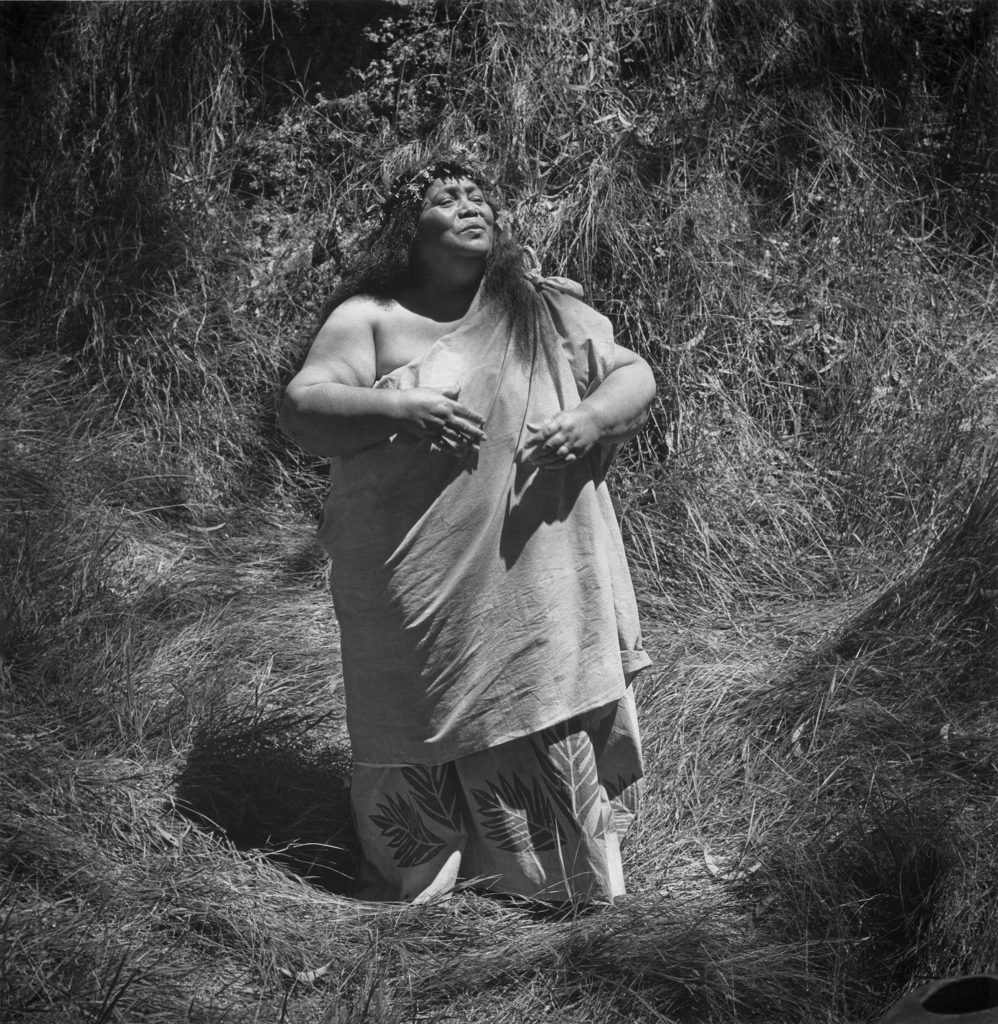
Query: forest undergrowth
point(789, 209)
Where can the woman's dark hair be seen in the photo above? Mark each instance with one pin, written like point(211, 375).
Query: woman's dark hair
point(385, 255)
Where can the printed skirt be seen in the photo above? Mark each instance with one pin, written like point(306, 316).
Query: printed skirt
point(541, 817)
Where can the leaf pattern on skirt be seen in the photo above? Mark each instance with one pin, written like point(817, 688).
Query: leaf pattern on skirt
point(510, 810)
point(436, 793)
point(411, 842)
point(570, 776)
point(517, 816)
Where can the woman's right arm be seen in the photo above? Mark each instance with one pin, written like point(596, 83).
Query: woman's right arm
point(330, 408)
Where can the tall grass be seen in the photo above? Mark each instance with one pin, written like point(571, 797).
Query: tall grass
point(784, 207)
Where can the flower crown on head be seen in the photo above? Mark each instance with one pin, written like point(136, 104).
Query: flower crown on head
point(408, 189)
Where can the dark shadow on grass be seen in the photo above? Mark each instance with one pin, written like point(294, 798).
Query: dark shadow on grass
point(896, 870)
point(265, 784)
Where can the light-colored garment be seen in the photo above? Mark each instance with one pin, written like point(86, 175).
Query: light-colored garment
point(481, 600)
point(540, 817)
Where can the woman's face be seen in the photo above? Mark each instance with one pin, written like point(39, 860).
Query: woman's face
point(455, 220)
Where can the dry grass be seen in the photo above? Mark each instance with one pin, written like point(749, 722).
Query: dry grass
point(779, 212)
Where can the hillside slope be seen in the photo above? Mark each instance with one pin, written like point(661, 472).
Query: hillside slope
point(788, 208)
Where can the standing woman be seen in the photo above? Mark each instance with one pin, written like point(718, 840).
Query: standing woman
point(489, 630)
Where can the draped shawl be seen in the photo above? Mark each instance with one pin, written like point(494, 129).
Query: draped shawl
point(479, 599)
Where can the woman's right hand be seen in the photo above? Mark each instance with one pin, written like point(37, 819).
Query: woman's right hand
point(436, 415)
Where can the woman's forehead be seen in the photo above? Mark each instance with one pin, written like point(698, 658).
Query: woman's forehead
point(449, 184)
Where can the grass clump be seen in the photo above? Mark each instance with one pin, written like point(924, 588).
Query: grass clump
point(848, 780)
point(786, 208)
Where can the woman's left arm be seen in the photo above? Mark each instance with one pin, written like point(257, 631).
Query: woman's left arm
point(613, 412)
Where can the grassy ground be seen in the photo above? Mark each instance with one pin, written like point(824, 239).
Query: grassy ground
point(778, 206)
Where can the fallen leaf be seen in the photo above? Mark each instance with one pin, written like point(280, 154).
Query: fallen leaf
point(729, 869)
point(307, 976)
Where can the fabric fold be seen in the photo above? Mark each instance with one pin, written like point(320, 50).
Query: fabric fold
point(481, 600)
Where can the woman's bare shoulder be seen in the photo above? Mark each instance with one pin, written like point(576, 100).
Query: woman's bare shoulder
point(368, 309)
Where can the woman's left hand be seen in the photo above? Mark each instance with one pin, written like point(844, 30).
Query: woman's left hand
point(561, 439)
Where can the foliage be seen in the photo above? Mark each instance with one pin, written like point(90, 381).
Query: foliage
point(787, 207)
